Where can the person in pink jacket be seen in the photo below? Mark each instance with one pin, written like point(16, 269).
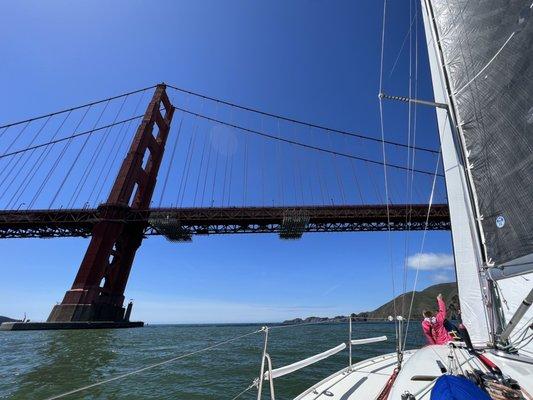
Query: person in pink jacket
point(433, 325)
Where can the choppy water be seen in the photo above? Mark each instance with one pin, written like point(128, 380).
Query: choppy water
point(41, 364)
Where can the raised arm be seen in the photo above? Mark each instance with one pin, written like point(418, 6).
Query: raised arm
point(441, 315)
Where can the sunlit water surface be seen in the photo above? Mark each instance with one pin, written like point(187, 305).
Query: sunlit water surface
point(42, 364)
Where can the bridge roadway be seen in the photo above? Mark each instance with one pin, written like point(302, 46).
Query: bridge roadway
point(178, 224)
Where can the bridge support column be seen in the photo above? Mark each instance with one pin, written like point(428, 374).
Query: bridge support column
point(97, 293)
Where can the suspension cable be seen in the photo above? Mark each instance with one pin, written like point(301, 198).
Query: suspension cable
point(296, 121)
point(248, 130)
point(301, 144)
point(73, 136)
point(76, 108)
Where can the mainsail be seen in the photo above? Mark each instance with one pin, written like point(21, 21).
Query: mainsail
point(488, 50)
point(481, 54)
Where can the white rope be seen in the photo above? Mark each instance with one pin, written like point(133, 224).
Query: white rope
point(486, 66)
point(151, 366)
point(422, 247)
point(244, 391)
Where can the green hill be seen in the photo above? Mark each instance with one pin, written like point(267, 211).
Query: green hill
point(424, 300)
point(7, 319)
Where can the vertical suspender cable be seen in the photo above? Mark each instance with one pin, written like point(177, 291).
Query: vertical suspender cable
point(263, 166)
point(200, 169)
point(195, 130)
point(165, 181)
point(93, 160)
point(319, 172)
point(42, 157)
point(123, 133)
point(245, 177)
point(209, 156)
point(57, 161)
point(77, 156)
point(14, 176)
point(280, 168)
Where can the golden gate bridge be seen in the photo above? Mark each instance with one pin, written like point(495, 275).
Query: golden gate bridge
point(229, 169)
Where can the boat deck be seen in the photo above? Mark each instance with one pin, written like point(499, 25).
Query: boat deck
point(363, 381)
point(366, 379)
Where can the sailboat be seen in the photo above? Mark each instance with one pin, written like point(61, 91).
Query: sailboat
point(481, 61)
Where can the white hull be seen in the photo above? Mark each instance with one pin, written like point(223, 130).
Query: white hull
point(366, 379)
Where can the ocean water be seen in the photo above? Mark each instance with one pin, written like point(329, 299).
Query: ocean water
point(42, 364)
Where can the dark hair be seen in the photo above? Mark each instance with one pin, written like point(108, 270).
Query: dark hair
point(427, 313)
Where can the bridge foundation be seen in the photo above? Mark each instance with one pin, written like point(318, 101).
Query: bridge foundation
point(97, 293)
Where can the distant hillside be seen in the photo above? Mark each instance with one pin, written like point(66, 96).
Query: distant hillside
point(6, 319)
point(424, 300)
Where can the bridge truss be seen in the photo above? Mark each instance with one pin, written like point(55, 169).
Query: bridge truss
point(181, 224)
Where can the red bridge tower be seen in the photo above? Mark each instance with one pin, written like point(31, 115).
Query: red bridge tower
point(97, 293)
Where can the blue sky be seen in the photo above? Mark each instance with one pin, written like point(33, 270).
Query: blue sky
point(311, 60)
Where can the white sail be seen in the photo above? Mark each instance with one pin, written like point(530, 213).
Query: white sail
point(482, 68)
point(466, 247)
point(513, 292)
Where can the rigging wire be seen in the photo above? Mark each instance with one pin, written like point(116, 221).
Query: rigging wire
point(422, 248)
point(382, 128)
point(408, 34)
point(148, 367)
point(252, 385)
point(296, 121)
point(409, 176)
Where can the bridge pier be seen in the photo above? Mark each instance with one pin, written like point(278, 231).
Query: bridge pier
point(97, 293)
